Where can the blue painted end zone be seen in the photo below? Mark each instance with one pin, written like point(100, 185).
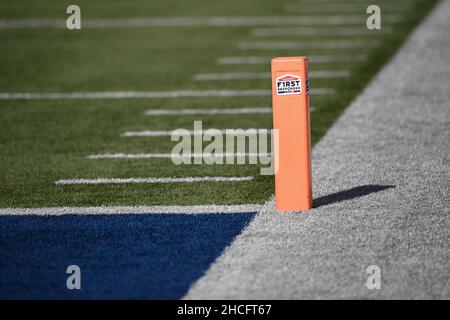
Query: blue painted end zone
point(155, 256)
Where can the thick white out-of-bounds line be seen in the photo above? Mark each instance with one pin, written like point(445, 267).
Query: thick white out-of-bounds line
point(151, 180)
point(169, 155)
point(315, 32)
point(176, 112)
point(311, 59)
point(196, 21)
point(116, 210)
point(146, 95)
point(266, 75)
point(134, 94)
point(286, 45)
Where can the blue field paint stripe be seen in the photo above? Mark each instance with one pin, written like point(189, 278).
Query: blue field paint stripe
point(126, 256)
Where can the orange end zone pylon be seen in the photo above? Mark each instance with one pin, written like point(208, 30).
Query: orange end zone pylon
point(290, 100)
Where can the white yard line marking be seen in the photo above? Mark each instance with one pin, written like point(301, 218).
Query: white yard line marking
point(356, 2)
point(177, 112)
point(333, 59)
point(314, 32)
point(333, 44)
point(195, 21)
point(311, 59)
point(134, 94)
point(151, 180)
point(113, 210)
point(338, 7)
point(243, 60)
point(147, 95)
point(156, 133)
point(266, 75)
point(168, 133)
point(180, 112)
point(169, 155)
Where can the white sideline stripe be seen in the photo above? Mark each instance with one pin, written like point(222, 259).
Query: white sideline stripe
point(176, 112)
point(169, 155)
point(333, 44)
point(164, 133)
point(113, 210)
point(134, 94)
point(151, 180)
point(341, 7)
point(194, 21)
point(337, 31)
point(266, 75)
point(312, 59)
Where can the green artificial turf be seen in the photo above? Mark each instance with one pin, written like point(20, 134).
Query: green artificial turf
point(42, 141)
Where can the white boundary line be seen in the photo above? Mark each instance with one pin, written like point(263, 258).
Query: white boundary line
point(196, 21)
point(151, 180)
point(311, 59)
point(266, 75)
point(169, 155)
point(332, 44)
point(115, 210)
point(315, 32)
point(177, 112)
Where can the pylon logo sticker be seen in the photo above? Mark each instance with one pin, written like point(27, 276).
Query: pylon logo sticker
point(289, 84)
